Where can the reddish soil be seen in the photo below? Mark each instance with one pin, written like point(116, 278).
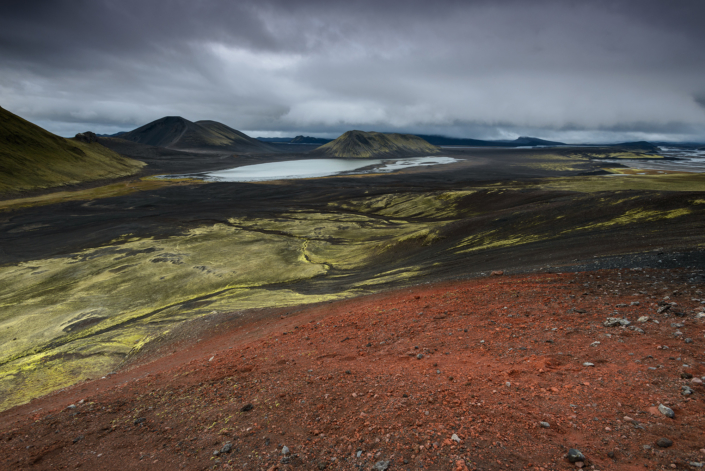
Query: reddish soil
point(392, 377)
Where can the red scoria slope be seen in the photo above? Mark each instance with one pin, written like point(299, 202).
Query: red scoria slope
point(450, 376)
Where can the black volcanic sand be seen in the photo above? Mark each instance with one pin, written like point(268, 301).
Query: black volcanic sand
point(59, 229)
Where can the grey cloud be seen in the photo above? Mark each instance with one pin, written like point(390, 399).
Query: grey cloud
point(463, 68)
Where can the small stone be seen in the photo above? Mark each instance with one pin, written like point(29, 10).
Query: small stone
point(139, 420)
point(686, 391)
point(579, 464)
point(688, 340)
point(643, 319)
point(247, 408)
point(216, 453)
point(664, 442)
point(667, 411)
point(587, 363)
point(285, 450)
point(696, 381)
point(227, 448)
point(508, 384)
point(574, 456)
point(545, 424)
point(381, 466)
point(455, 438)
point(419, 356)
point(696, 464)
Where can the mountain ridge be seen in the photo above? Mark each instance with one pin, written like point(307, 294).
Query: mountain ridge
point(33, 158)
point(361, 145)
point(175, 132)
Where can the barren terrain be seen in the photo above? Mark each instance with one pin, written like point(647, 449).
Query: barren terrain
point(504, 372)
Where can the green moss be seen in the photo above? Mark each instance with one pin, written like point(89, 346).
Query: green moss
point(635, 216)
point(32, 158)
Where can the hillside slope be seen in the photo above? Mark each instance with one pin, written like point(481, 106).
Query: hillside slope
point(360, 144)
point(33, 158)
point(175, 132)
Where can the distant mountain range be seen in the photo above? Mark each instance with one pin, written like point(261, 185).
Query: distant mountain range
point(32, 158)
point(175, 132)
point(519, 142)
point(359, 144)
point(295, 140)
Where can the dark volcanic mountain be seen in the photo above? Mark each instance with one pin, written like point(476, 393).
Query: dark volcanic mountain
point(175, 132)
point(360, 144)
point(32, 158)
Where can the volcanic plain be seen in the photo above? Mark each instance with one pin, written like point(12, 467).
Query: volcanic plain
point(172, 322)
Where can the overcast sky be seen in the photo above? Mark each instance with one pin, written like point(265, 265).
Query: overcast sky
point(572, 70)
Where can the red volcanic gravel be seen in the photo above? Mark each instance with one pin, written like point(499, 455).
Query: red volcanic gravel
point(500, 373)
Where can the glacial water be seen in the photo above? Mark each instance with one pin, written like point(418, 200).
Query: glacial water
point(312, 168)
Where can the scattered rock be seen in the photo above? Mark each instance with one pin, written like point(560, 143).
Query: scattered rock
point(227, 448)
point(497, 273)
point(78, 439)
point(696, 381)
point(545, 424)
point(663, 309)
point(285, 450)
point(381, 466)
point(139, 420)
point(686, 391)
point(574, 456)
point(667, 411)
point(587, 363)
point(419, 356)
point(247, 408)
point(664, 442)
point(643, 319)
point(615, 322)
point(455, 438)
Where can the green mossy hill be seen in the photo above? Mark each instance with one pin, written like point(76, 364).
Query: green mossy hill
point(175, 132)
point(33, 158)
point(359, 144)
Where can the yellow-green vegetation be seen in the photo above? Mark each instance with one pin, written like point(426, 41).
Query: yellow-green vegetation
point(409, 205)
point(493, 240)
point(90, 194)
point(63, 319)
point(619, 155)
point(556, 162)
point(591, 184)
point(635, 216)
point(67, 318)
point(361, 145)
point(32, 158)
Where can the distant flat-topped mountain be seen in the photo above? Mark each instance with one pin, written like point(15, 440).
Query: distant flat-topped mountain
point(33, 158)
point(175, 132)
point(309, 140)
point(359, 144)
point(518, 142)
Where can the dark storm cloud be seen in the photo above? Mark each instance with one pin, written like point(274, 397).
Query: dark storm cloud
point(583, 70)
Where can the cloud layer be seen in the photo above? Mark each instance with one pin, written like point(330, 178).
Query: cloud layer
point(589, 70)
